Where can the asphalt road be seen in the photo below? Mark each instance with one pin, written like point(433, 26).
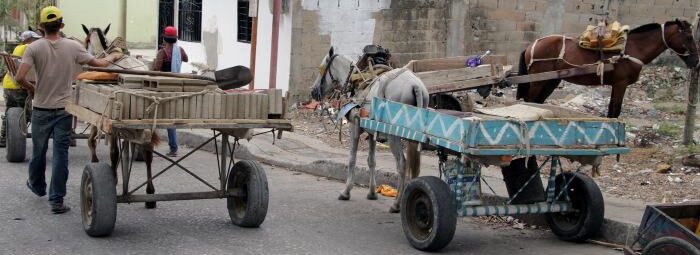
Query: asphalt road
point(304, 217)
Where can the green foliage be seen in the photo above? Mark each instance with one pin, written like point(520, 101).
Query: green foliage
point(669, 129)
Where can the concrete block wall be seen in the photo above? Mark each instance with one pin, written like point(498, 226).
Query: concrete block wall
point(420, 29)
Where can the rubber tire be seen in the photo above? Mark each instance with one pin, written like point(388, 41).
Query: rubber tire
point(443, 206)
point(590, 196)
point(252, 212)
point(104, 200)
point(16, 141)
point(673, 241)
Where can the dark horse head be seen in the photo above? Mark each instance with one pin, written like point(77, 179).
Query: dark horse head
point(680, 40)
point(96, 40)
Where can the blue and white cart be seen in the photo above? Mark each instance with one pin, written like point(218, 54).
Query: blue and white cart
point(572, 202)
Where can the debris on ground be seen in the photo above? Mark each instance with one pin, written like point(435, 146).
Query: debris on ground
point(387, 190)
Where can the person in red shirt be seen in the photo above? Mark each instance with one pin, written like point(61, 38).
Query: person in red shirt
point(169, 59)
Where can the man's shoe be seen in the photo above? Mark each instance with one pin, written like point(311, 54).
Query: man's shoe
point(172, 154)
point(40, 194)
point(59, 208)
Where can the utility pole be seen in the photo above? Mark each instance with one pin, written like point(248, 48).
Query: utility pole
point(276, 15)
point(689, 128)
point(253, 14)
point(122, 19)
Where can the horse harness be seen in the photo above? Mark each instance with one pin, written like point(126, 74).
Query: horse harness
point(612, 60)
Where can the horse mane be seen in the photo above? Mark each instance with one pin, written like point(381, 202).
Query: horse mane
point(645, 28)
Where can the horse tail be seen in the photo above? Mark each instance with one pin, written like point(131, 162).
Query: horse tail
point(155, 140)
point(412, 160)
point(522, 70)
point(421, 96)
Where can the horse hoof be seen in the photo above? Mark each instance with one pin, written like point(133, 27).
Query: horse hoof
point(150, 205)
point(372, 196)
point(343, 197)
point(393, 209)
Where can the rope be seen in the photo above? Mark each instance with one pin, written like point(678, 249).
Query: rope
point(152, 107)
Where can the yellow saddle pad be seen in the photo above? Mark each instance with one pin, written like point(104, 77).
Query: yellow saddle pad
point(614, 37)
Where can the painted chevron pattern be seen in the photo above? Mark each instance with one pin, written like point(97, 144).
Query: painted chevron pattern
point(474, 132)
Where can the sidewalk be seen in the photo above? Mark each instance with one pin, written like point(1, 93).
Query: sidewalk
point(309, 155)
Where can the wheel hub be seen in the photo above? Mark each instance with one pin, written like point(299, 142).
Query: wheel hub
point(87, 203)
point(420, 214)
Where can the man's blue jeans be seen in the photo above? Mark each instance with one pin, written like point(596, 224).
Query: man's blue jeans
point(45, 124)
point(172, 139)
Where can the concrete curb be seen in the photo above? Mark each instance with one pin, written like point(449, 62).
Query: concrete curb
point(612, 231)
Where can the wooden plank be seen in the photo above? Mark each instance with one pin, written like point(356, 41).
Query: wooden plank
point(559, 74)
point(139, 107)
point(452, 75)
point(179, 107)
point(85, 115)
point(463, 85)
point(264, 106)
point(200, 101)
point(217, 106)
point(193, 108)
point(230, 106)
point(210, 105)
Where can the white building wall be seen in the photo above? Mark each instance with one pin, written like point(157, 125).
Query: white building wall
point(220, 48)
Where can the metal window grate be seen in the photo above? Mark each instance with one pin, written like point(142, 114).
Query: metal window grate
point(245, 22)
point(166, 17)
point(190, 20)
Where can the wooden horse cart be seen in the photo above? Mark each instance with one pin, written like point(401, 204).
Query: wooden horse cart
point(126, 119)
point(573, 203)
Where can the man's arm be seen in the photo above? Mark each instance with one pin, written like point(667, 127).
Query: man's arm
point(158, 63)
point(106, 61)
point(183, 55)
point(21, 78)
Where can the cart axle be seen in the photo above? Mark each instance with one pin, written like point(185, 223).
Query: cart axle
point(502, 210)
point(177, 196)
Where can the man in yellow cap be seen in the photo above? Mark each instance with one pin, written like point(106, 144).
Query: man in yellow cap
point(57, 62)
point(14, 95)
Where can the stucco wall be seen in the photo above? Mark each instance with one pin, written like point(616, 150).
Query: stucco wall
point(419, 29)
point(142, 19)
point(220, 48)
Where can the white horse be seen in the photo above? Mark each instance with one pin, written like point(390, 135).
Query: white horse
point(399, 85)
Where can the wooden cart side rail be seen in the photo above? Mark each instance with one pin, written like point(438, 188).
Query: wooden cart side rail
point(88, 116)
point(93, 118)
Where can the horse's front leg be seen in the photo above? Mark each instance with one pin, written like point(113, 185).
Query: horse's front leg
point(92, 144)
point(397, 150)
point(148, 159)
point(114, 155)
point(371, 163)
point(616, 97)
point(354, 141)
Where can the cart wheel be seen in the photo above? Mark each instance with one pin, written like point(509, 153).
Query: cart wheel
point(587, 200)
point(248, 207)
point(670, 245)
point(98, 200)
point(16, 140)
point(428, 213)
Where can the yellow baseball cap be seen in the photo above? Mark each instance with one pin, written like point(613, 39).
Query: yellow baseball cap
point(50, 14)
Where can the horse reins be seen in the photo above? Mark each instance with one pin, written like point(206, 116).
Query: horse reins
point(327, 70)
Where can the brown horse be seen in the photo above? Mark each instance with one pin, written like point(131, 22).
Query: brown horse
point(96, 43)
point(644, 44)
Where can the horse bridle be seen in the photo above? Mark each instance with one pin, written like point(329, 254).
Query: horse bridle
point(663, 38)
point(327, 70)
